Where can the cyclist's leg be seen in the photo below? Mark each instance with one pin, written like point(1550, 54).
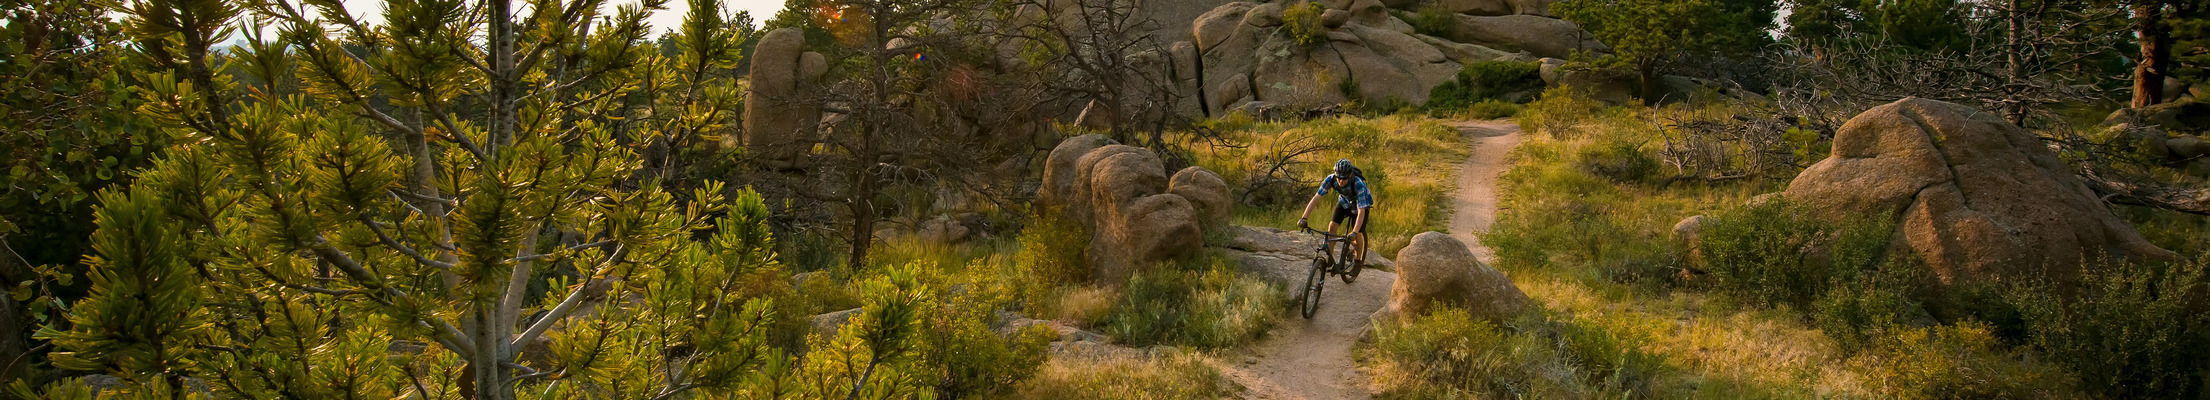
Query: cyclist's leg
point(1359, 238)
point(1345, 217)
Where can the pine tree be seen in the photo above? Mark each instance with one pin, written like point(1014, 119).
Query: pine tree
point(1645, 34)
point(360, 211)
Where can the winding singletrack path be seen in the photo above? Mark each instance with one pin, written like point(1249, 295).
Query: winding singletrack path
point(1311, 359)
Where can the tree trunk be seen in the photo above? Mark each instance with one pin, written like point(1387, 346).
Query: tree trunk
point(2014, 61)
point(2148, 74)
point(1647, 72)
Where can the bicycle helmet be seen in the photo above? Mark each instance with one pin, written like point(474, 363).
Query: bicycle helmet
point(1343, 167)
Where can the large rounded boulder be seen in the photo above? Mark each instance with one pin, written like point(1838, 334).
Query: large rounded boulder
point(1973, 196)
point(1207, 193)
point(778, 119)
point(1123, 195)
point(1437, 269)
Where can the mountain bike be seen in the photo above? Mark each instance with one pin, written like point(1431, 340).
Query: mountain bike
point(1329, 259)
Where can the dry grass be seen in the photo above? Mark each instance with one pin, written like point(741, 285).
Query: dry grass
point(1598, 253)
point(1408, 160)
point(1127, 376)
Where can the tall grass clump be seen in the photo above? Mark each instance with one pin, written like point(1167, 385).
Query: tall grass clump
point(1209, 306)
point(1450, 354)
point(1127, 377)
point(1558, 112)
point(2130, 331)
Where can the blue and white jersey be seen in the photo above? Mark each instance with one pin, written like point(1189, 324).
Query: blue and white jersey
point(1364, 198)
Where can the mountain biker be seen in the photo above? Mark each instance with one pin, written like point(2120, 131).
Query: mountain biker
point(1352, 201)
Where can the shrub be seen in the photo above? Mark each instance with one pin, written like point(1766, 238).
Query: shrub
point(1856, 314)
point(1434, 20)
point(1618, 160)
point(1212, 307)
point(1053, 253)
point(969, 357)
point(1304, 23)
point(1772, 253)
point(1558, 112)
point(1484, 80)
point(2129, 332)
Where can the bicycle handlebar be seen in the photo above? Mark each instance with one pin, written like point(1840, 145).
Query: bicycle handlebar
point(1329, 236)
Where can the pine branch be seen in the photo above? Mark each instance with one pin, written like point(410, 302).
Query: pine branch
point(568, 304)
point(448, 335)
point(401, 248)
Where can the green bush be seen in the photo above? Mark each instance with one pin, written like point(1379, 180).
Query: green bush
point(1558, 112)
point(2130, 331)
point(1857, 313)
point(1304, 23)
point(1618, 160)
point(1774, 253)
point(1212, 307)
point(969, 358)
point(1434, 20)
point(1053, 252)
point(1484, 80)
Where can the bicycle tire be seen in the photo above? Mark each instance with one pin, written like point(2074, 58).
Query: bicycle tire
point(1350, 268)
point(1315, 282)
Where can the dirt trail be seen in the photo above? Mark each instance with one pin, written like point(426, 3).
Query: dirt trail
point(1311, 359)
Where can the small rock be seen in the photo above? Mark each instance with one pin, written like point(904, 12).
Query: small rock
point(828, 323)
point(1264, 16)
point(2187, 147)
point(1335, 18)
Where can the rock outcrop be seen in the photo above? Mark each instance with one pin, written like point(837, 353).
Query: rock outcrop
point(1121, 193)
point(777, 120)
point(1974, 196)
point(1248, 55)
point(1543, 36)
point(1439, 270)
point(1283, 257)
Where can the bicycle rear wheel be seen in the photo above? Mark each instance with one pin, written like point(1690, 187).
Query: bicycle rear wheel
point(1313, 284)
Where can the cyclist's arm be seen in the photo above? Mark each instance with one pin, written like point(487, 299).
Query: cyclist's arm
point(1308, 207)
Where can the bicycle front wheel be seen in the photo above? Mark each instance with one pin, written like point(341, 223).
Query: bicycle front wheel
point(1313, 283)
point(1350, 265)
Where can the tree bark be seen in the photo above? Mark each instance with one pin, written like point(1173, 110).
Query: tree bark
point(2014, 52)
point(2148, 74)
